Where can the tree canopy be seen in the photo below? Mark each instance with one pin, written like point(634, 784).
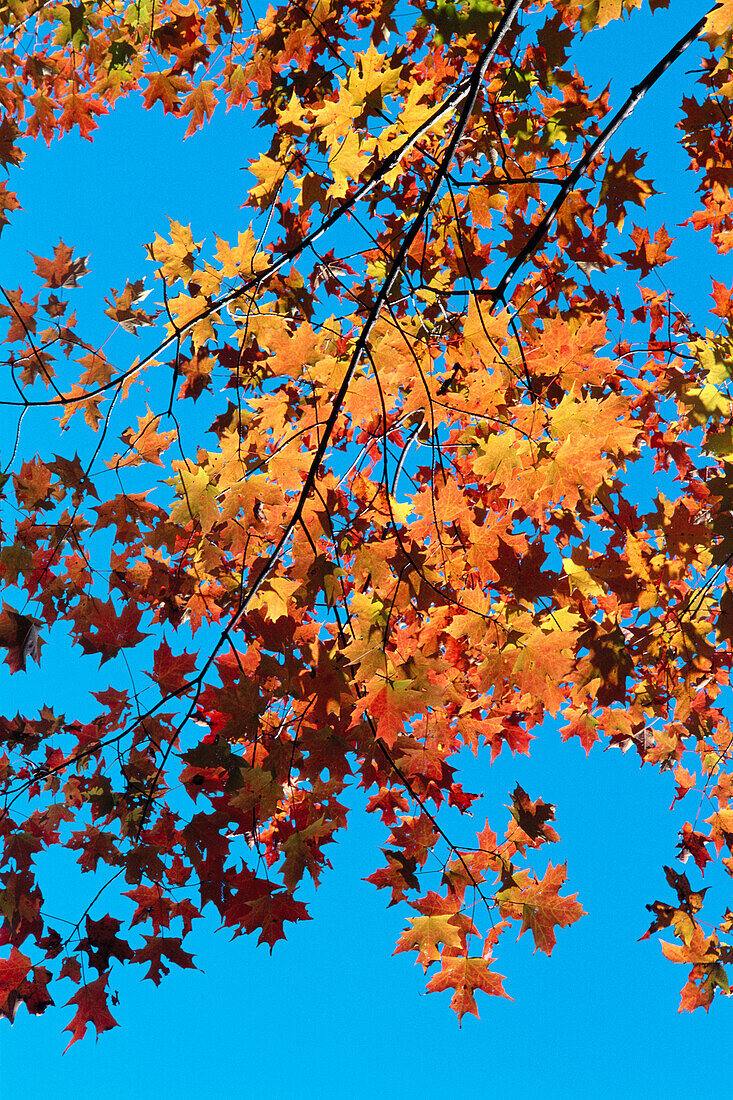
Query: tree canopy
point(352, 495)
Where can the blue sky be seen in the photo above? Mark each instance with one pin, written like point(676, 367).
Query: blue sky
point(332, 1012)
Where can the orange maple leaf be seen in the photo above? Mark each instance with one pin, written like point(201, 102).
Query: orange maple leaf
point(541, 908)
point(621, 185)
point(390, 705)
point(648, 253)
point(465, 976)
point(145, 444)
point(166, 88)
point(63, 270)
point(200, 104)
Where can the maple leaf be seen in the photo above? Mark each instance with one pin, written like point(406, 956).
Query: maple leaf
point(397, 875)
point(19, 635)
point(329, 271)
point(465, 976)
point(145, 444)
point(200, 104)
point(170, 672)
point(694, 996)
point(269, 174)
point(102, 943)
point(13, 972)
point(723, 299)
point(609, 662)
point(426, 932)
point(63, 270)
point(347, 160)
point(78, 110)
point(10, 153)
point(152, 904)
point(122, 308)
point(243, 258)
point(599, 13)
point(100, 629)
point(130, 513)
point(256, 905)
point(158, 947)
point(8, 203)
point(692, 843)
point(685, 783)
point(698, 949)
point(531, 820)
point(177, 258)
point(71, 968)
point(277, 597)
point(31, 992)
point(649, 252)
point(621, 186)
point(22, 316)
point(165, 87)
point(198, 497)
point(91, 1008)
point(584, 727)
point(390, 705)
point(541, 907)
point(32, 485)
point(718, 22)
point(78, 398)
point(302, 853)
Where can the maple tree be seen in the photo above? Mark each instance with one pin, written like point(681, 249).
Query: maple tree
point(391, 433)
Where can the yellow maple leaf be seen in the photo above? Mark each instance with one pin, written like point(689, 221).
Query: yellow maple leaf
point(243, 258)
point(425, 935)
point(347, 162)
point(369, 84)
point(185, 309)
point(270, 174)
point(198, 497)
point(580, 578)
point(177, 258)
point(719, 24)
point(292, 118)
point(276, 597)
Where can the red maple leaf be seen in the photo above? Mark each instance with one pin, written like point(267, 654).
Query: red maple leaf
point(391, 704)
point(157, 947)
point(170, 671)
point(200, 104)
point(13, 972)
point(102, 942)
point(10, 153)
point(693, 844)
point(19, 635)
point(544, 908)
point(166, 87)
point(91, 1008)
point(100, 629)
point(33, 993)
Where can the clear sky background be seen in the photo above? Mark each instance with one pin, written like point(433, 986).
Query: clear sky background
point(331, 1013)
